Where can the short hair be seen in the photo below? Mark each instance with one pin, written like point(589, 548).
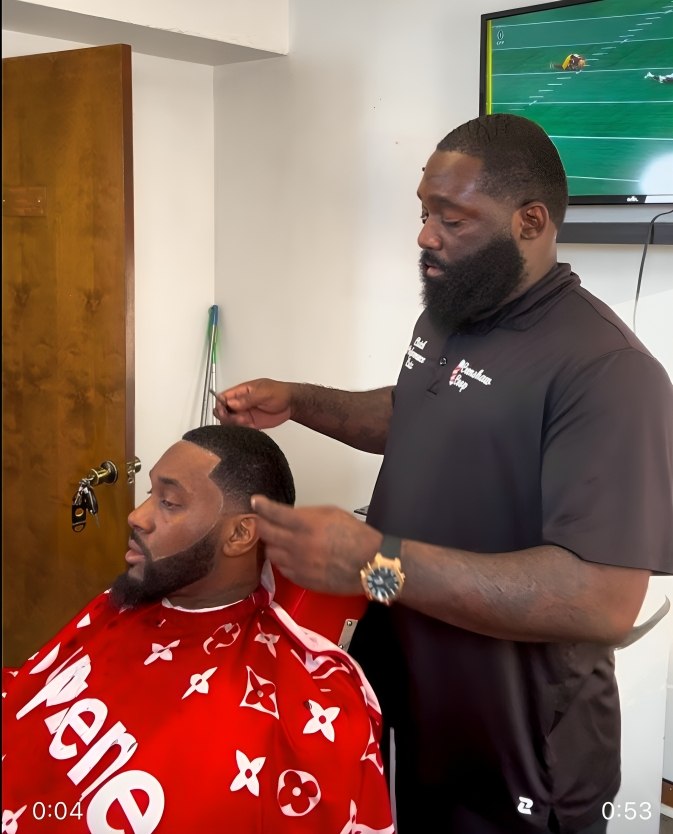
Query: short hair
point(520, 162)
point(251, 463)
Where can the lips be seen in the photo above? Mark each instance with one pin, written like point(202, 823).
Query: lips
point(430, 268)
point(134, 555)
point(432, 271)
point(133, 558)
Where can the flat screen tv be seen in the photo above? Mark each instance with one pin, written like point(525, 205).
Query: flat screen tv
point(597, 75)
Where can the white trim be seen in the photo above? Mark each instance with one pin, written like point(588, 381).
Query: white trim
point(267, 579)
point(167, 604)
point(317, 644)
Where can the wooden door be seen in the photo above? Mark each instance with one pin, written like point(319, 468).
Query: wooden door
point(68, 364)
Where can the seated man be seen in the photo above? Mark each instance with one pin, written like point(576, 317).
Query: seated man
point(184, 699)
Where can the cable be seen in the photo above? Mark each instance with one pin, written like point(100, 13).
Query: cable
point(650, 229)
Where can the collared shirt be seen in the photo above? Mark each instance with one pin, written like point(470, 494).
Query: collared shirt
point(547, 422)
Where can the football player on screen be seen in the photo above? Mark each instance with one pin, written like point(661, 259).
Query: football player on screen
point(573, 63)
point(662, 79)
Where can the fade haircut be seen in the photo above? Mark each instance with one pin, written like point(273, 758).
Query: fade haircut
point(520, 162)
point(250, 463)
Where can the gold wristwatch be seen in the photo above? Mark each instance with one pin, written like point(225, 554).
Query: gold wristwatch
point(383, 579)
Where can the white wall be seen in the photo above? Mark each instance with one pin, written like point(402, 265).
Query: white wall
point(174, 239)
point(262, 24)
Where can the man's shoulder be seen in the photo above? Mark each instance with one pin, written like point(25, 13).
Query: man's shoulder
point(590, 327)
point(593, 350)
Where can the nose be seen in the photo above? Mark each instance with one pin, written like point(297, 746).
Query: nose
point(428, 237)
point(140, 519)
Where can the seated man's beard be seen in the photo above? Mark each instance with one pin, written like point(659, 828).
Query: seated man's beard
point(472, 286)
point(162, 577)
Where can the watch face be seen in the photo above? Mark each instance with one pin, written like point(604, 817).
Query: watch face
point(383, 584)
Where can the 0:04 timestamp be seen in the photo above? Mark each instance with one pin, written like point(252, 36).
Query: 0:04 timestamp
point(630, 811)
point(60, 810)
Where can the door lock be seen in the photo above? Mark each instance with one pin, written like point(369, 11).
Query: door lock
point(106, 474)
point(85, 499)
point(131, 468)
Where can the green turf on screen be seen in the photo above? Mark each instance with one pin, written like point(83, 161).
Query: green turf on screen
point(609, 122)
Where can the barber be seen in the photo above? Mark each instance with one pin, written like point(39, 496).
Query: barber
point(524, 499)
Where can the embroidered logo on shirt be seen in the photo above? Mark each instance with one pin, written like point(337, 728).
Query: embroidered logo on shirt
point(525, 805)
point(412, 354)
point(463, 369)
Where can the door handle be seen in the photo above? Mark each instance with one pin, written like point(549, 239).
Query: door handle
point(85, 499)
point(106, 474)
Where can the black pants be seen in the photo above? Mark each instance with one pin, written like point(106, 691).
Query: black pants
point(457, 819)
point(464, 821)
point(425, 809)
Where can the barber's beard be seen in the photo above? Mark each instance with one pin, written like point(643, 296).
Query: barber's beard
point(472, 286)
point(162, 577)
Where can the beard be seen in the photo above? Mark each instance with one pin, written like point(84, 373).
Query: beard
point(164, 576)
point(472, 286)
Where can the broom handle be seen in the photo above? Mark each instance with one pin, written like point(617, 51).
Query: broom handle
point(209, 361)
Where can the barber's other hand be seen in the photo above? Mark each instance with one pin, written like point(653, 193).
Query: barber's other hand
point(260, 404)
point(319, 548)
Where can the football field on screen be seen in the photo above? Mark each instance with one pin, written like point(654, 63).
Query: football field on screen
point(611, 122)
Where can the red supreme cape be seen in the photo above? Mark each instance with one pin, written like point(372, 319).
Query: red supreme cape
point(232, 719)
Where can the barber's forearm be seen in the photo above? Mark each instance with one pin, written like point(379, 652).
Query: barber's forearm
point(543, 594)
point(358, 418)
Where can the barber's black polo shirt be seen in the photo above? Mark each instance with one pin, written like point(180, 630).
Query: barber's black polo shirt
point(546, 423)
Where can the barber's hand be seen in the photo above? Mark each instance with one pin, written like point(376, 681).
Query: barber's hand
point(319, 548)
point(260, 404)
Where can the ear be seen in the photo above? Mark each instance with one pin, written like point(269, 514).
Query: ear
point(241, 535)
point(531, 221)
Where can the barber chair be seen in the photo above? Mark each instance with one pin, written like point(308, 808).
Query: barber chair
point(333, 617)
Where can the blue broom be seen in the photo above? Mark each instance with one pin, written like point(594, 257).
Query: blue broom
point(211, 368)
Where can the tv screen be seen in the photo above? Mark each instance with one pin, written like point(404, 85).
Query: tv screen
point(598, 77)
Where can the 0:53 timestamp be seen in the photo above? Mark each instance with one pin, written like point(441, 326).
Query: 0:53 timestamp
point(630, 813)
